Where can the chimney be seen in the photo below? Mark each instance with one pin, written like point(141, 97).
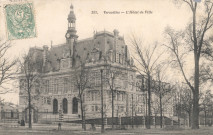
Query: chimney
point(45, 49)
point(116, 32)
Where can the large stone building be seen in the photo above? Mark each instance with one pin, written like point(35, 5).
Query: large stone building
point(58, 68)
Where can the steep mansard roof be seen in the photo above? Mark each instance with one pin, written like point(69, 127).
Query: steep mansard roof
point(102, 42)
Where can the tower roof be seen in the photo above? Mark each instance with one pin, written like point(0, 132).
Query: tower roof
point(71, 15)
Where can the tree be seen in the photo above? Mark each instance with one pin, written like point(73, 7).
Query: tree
point(206, 74)
point(82, 75)
point(30, 79)
point(177, 104)
point(205, 105)
point(162, 89)
point(195, 38)
point(110, 79)
point(7, 67)
point(185, 101)
point(147, 62)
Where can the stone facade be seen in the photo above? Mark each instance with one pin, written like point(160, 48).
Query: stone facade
point(59, 64)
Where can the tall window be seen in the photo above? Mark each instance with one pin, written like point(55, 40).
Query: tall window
point(55, 106)
point(119, 58)
point(122, 96)
point(93, 95)
point(119, 96)
point(48, 100)
point(140, 98)
point(125, 84)
point(97, 79)
point(137, 86)
point(114, 56)
point(56, 86)
point(72, 86)
point(122, 59)
point(37, 87)
point(22, 84)
point(65, 110)
point(131, 82)
point(66, 87)
point(74, 105)
point(46, 86)
point(143, 83)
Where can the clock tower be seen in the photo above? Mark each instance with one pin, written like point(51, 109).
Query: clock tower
point(71, 36)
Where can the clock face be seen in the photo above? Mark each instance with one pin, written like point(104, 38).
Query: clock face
point(68, 35)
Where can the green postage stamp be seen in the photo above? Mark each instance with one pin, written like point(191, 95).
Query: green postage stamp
point(20, 21)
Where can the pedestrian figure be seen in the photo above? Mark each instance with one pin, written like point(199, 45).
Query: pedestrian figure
point(93, 126)
point(22, 123)
point(59, 126)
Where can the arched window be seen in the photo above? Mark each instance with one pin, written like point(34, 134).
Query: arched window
point(74, 105)
point(55, 106)
point(65, 106)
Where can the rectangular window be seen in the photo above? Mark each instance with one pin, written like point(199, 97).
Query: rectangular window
point(96, 108)
point(48, 100)
point(131, 85)
point(125, 84)
point(66, 86)
point(47, 86)
point(143, 84)
point(123, 96)
point(92, 78)
point(137, 86)
point(98, 79)
point(83, 98)
point(140, 98)
point(122, 108)
point(73, 87)
point(93, 95)
point(115, 56)
point(56, 86)
point(88, 96)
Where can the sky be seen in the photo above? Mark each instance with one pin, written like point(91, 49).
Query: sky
point(51, 22)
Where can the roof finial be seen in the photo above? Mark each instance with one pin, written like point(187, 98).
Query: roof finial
point(71, 7)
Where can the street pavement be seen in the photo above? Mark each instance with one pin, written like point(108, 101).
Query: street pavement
point(44, 129)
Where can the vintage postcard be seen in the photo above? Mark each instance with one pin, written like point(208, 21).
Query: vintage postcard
point(106, 67)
